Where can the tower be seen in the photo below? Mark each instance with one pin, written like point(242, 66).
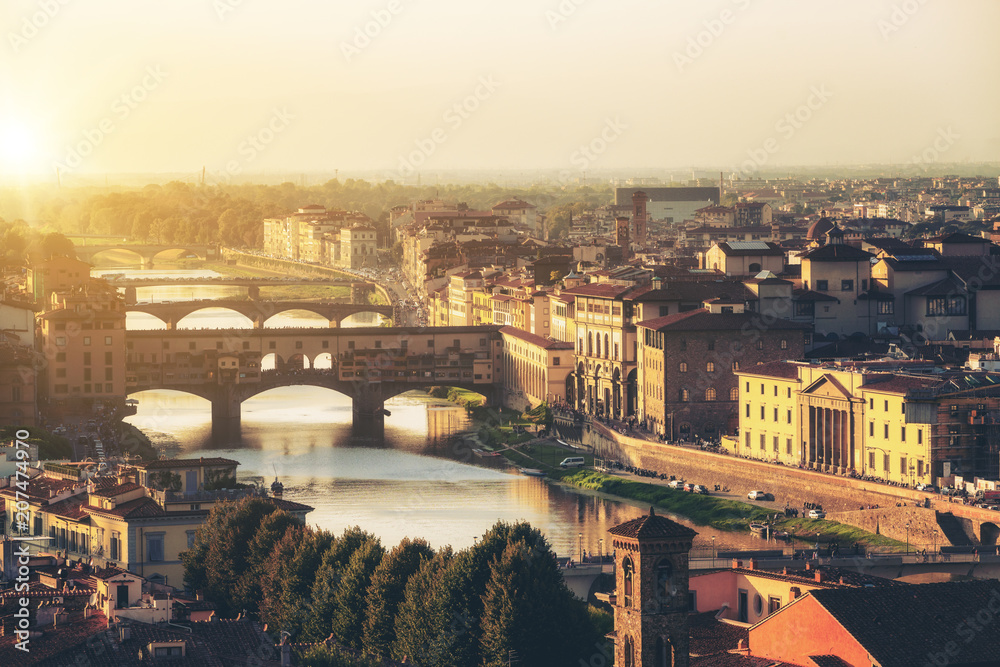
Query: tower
point(621, 236)
point(639, 199)
point(651, 592)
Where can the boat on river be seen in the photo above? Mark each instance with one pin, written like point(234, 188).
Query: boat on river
point(533, 472)
point(758, 528)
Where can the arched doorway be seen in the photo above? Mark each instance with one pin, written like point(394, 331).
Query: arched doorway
point(988, 534)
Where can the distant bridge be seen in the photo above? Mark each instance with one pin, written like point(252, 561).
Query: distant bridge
point(370, 365)
point(146, 253)
point(257, 311)
point(226, 281)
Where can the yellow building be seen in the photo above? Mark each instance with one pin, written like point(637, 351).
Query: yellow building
point(535, 369)
point(894, 421)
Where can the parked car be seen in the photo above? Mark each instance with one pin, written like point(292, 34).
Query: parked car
point(689, 486)
point(930, 488)
point(700, 488)
point(759, 495)
point(572, 462)
point(676, 484)
point(817, 514)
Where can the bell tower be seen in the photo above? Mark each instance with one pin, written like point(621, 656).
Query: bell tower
point(651, 592)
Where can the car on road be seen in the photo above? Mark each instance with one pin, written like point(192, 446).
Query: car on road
point(689, 486)
point(676, 484)
point(700, 488)
point(572, 462)
point(759, 495)
point(817, 514)
point(929, 488)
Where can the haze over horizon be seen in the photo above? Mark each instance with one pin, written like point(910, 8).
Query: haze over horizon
point(240, 87)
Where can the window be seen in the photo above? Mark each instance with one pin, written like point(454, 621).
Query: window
point(748, 409)
point(683, 344)
point(627, 571)
point(298, 345)
point(734, 394)
point(271, 345)
point(736, 365)
point(109, 358)
point(60, 340)
point(711, 343)
point(763, 440)
point(664, 310)
point(885, 462)
point(685, 395)
point(776, 414)
point(86, 358)
point(822, 285)
point(762, 413)
point(190, 538)
point(805, 308)
point(709, 394)
point(902, 433)
point(788, 446)
point(154, 547)
point(107, 340)
point(773, 604)
point(555, 361)
point(788, 417)
point(60, 372)
point(871, 430)
point(784, 344)
point(760, 344)
point(846, 285)
point(902, 465)
point(920, 437)
point(886, 407)
point(885, 431)
point(886, 307)
point(683, 367)
point(86, 340)
point(950, 305)
point(191, 346)
point(871, 460)
point(710, 367)
point(168, 652)
point(116, 550)
point(775, 443)
point(60, 356)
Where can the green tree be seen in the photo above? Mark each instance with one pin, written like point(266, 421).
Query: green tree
point(386, 593)
point(413, 633)
point(349, 603)
point(216, 562)
point(289, 576)
point(323, 598)
point(272, 528)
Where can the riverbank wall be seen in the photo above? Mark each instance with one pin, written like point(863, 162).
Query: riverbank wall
point(841, 497)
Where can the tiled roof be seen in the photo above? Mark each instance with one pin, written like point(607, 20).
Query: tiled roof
point(606, 290)
point(186, 463)
point(71, 508)
point(702, 320)
point(140, 508)
point(118, 489)
point(290, 505)
point(109, 572)
point(947, 287)
point(774, 369)
point(901, 626)
point(534, 339)
point(837, 252)
point(652, 526)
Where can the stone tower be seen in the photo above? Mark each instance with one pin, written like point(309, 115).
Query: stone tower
point(651, 592)
point(639, 220)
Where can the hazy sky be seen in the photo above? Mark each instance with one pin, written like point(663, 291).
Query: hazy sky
point(170, 86)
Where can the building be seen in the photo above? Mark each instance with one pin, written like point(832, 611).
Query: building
point(18, 398)
point(358, 247)
point(55, 274)
point(519, 212)
point(744, 258)
point(83, 342)
point(687, 364)
point(872, 418)
point(535, 369)
point(753, 214)
point(671, 205)
point(461, 288)
point(836, 278)
point(651, 600)
point(891, 626)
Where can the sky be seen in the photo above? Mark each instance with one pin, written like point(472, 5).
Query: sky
point(406, 86)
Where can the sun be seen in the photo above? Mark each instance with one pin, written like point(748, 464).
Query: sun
point(18, 147)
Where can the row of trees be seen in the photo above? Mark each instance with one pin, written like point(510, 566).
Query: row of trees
point(18, 240)
point(478, 606)
point(233, 214)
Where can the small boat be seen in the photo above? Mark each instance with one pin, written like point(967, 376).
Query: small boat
point(782, 535)
point(533, 472)
point(484, 453)
point(386, 412)
point(758, 528)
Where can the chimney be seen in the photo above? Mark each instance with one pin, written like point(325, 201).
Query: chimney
point(818, 576)
point(784, 570)
point(124, 633)
point(751, 564)
point(737, 563)
point(794, 593)
point(809, 565)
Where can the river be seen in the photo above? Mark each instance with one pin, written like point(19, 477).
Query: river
point(417, 483)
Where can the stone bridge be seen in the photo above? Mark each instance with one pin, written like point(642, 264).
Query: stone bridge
point(257, 311)
point(146, 253)
point(370, 365)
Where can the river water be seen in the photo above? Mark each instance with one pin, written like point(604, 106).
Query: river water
point(420, 482)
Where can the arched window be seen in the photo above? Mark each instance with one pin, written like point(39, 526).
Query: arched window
point(734, 394)
point(736, 365)
point(665, 591)
point(627, 571)
point(684, 367)
point(709, 394)
point(685, 395)
point(710, 367)
point(628, 652)
point(754, 267)
point(590, 343)
point(607, 348)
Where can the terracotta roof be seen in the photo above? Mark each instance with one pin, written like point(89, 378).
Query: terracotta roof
point(186, 463)
point(111, 571)
point(652, 526)
point(71, 508)
point(290, 505)
point(534, 339)
point(900, 626)
point(605, 290)
point(140, 508)
point(837, 252)
point(117, 489)
point(774, 369)
point(702, 320)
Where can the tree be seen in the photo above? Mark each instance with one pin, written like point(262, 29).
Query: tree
point(413, 633)
point(289, 576)
point(272, 528)
point(216, 563)
point(387, 591)
point(349, 603)
point(323, 598)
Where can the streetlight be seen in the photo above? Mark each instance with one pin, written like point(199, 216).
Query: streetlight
point(934, 536)
point(907, 538)
point(580, 539)
point(600, 549)
point(713, 551)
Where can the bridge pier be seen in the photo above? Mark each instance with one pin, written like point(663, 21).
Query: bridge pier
point(368, 413)
point(226, 416)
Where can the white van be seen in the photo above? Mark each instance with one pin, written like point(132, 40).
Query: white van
point(572, 462)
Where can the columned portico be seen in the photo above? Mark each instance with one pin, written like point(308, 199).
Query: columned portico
point(829, 436)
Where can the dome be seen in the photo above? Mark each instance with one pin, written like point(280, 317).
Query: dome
point(819, 229)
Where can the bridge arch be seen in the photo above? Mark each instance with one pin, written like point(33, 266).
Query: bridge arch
point(206, 392)
point(245, 323)
point(323, 361)
point(989, 534)
point(366, 311)
point(180, 252)
point(272, 319)
point(105, 255)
